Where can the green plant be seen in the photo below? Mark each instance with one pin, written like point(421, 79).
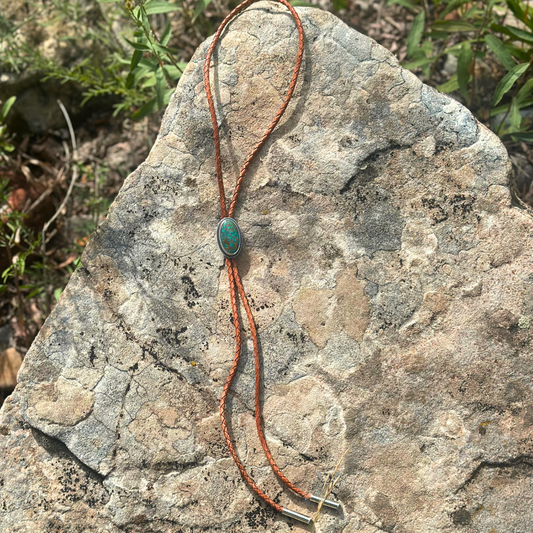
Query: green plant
point(5, 139)
point(159, 69)
point(499, 31)
point(18, 243)
point(140, 81)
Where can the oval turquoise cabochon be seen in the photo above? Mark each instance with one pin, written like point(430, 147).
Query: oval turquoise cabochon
point(229, 237)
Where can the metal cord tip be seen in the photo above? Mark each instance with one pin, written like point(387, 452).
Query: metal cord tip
point(297, 516)
point(327, 503)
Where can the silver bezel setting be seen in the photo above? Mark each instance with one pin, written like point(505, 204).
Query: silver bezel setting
point(229, 256)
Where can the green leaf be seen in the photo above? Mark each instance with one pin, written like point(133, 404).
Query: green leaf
point(160, 87)
point(135, 59)
point(200, 6)
point(451, 85)
point(508, 81)
point(413, 39)
point(417, 63)
point(409, 4)
point(21, 265)
point(143, 19)
point(518, 52)
point(451, 26)
point(150, 63)
point(145, 110)
point(340, 4)
point(515, 119)
point(427, 48)
point(524, 91)
point(463, 70)
point(155, 7)
point(150, 81)
point(172, 72)
point(7, 147)
point(168, 94)
point(524, 136)
point(519, 34)
point(33, 293)
point(456, 48)
point(6, 273)
point(452, 6)
point(165, 36)
point(302, 3)
point(136, 76)
point(473, 13)
point(57, 293)
point(138, 46)
point(499, 50)
point(164, 49)
point(7, 106)
point(519, 13)
point(503, 108)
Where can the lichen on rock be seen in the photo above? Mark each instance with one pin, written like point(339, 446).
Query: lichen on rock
point(389, 276)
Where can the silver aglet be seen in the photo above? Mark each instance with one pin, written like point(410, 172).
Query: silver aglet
point(327, 503)
point(297, 516)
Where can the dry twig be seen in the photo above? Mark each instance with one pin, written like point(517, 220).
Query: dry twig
point(329, 484)
point(75, 171)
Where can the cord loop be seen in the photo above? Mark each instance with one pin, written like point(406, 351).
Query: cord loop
point(235, 282)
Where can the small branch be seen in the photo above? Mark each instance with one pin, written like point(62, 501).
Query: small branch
point(75, 171)
point(59, 209)
point(327, 488)
point(46, 193)
point(20, 300)
point(190, 22)
point(70, 128)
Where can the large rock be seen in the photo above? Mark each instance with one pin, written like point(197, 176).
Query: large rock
point(391, 282)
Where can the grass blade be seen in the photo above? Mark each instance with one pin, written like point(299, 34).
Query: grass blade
point(463, 69)
point(160, 87)
point(155, 8)
point(200, 6)
point(508, 81)
point(7, 106)
point(499, 50)
point(524, 91)
point(413, 39)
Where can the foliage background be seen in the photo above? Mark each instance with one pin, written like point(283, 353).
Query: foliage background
point(83, 84)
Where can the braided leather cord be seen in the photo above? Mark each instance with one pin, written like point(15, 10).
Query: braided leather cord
point(235, 283)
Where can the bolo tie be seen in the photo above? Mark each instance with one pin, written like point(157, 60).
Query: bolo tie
point(230, 242)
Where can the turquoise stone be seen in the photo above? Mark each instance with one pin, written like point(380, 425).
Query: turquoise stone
point(229, 237)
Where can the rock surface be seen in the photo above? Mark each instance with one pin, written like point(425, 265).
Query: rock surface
point(391, 282)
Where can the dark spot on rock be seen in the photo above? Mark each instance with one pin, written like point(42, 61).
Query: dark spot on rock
point(437, 211)
point(331, 252)
point(92, 355)
point(191, 294)
point(386, 512)
point(397, 302)
point(379, 227)
point(461, 517)
point(257, 517)
point(172, 336)
point(371, 289)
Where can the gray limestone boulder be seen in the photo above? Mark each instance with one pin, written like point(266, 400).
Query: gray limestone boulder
point(391, 280)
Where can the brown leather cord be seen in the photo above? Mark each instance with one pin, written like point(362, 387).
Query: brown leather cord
point(235, 283)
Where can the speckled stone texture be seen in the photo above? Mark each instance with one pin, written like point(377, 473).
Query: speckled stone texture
point(391, 280)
